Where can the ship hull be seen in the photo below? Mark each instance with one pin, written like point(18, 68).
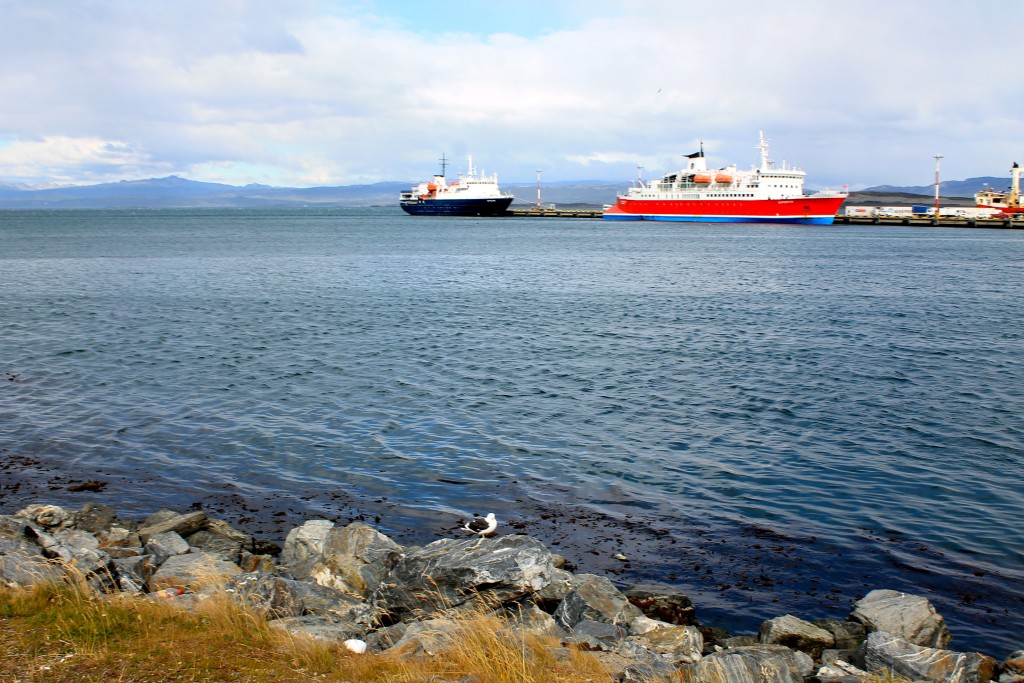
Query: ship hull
point(802, 210)
point(457, 207)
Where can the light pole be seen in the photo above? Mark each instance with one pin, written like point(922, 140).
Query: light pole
point(538, 187)
point(938, 160)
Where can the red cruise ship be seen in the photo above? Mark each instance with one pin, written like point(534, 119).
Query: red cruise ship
point(765, 194)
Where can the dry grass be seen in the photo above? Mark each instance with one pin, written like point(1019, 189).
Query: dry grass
point(64, 634)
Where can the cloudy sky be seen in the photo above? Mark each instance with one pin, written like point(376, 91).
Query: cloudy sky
point(335, 92)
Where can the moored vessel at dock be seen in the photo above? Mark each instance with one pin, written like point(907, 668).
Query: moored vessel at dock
point(764, 194)
point(1007, 202)
point(470, 195)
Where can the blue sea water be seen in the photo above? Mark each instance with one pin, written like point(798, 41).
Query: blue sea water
point(776, 419)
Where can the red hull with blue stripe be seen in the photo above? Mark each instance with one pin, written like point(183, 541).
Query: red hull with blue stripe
point(807, 210)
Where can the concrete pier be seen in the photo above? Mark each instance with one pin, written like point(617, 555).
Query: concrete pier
point(931, 221)
point(555, 213)
point(841, 219)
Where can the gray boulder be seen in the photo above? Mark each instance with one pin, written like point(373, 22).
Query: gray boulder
point(555, 591)
point(276, 597)
point(595, 598)
point(305, 542)
point(17, 534)
point(642, 625)
point(23, 569)
point(77, 550)
point(331, 602)
point(756, 664)
point(49, 517)
point(449, 574)
point(1013, 668)
point(596, 636)
point(848, 634)
point(133, 574)
point(530, 618)
point(426, 637)
point(181, 524)
point(94, 517)
point(256, 563)
point(678, 644)
point(322, 629)
point(272, 597)
point(219, 538)
point(192, 570)
point(356, 558)
point(386, 636)
point(841, 671)
point(161, 515)
point(166, 544)
point(905, 616)
point(796, 634)
point(118, 537)
point(883, 653)
point(654, 671)
point(663, 603)
point(225, 548)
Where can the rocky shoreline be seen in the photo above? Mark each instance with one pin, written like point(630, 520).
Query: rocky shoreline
point(352, 584)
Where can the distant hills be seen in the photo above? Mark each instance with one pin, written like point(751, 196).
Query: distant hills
point(949, 188)
point(176, 192)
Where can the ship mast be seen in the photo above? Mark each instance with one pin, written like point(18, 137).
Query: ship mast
point(763, 146)
point(1014, 198)
point(444, 164)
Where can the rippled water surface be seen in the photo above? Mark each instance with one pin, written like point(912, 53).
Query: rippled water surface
point(759, 414)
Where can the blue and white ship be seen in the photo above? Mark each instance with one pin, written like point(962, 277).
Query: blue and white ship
point(470, 195)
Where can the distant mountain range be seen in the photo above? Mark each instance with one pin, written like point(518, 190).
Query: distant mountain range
point(176, 192)
point(948, 188)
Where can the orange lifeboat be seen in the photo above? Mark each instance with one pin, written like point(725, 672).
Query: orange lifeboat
point(723, 178)
point(432, 187)
point(702, 178)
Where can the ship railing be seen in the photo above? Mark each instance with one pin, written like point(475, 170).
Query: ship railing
point(691, 187)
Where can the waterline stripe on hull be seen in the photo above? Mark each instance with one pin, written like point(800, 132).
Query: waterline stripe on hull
point(676, 218)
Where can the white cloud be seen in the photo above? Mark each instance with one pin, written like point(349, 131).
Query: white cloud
point(331, 93)
point(68, 159)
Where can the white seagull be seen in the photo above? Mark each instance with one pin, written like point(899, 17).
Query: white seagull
point(484, 526)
